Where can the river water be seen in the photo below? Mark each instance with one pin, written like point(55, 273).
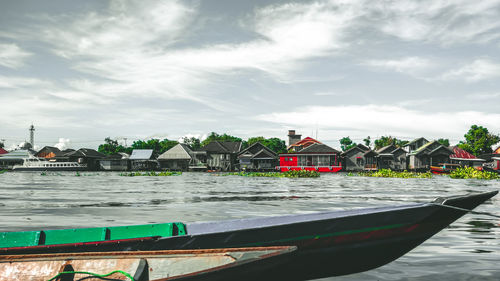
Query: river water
point(467, 250)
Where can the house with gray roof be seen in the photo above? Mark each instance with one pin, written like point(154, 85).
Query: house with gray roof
point(391, 157)
point(415, 144)
point(257, 157)
point(430, 154)
point(353, 159)
point(182, 158)
point(143, 160)
point(222, 155)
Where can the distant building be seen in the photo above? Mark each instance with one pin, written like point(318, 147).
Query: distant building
point(115, 162)
point(85, 156)
point(222, 156)
point(315, 156)
point(143, 160)
point(257, 157)
point(391, 157)
point(354, 158)
point(15, 157)
point(49, 152)
point(182, 158)
point(415, 144)
point(430, 154)
point(464, 158)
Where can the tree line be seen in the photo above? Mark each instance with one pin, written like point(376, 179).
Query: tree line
point(478, 140)
point(111, 146)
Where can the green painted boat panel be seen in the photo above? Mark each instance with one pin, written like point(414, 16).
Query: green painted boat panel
point(137, 231)
point(181, 228)
point(77, 235)
point(81, 235)
point(19, 239)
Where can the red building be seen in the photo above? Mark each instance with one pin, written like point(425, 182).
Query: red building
point(312, 155)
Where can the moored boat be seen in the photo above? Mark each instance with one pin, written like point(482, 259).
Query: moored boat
point(33, 164)
point(329, 244)
point(445, 168)
point(206, 265)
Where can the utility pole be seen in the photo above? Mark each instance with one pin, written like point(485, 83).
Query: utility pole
point(32, 136)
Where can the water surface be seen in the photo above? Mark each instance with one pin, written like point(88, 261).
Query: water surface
point(467, 250)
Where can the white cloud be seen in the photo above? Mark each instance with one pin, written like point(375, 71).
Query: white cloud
point(484, 96)
point(12, 56)
point(63, 144)
point(480, 69)
point(442, 21)
point(21, 82)
point(361, 120)
point(409, 65)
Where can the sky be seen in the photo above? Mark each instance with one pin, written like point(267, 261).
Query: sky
point(81, 71)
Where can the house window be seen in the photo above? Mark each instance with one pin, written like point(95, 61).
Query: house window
point(359, 161)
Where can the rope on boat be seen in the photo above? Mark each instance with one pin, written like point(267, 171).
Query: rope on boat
point(94, 274)
point(467, 210)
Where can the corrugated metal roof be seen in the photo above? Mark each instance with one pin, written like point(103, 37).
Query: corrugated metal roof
point(460, 154)
point(3, 151)
point(141, 154)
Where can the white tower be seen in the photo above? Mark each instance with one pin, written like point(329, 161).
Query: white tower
point(32, 136)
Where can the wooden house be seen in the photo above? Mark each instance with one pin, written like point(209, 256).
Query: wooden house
point(314, 157)
point(301, 144)
point(222, 155)
point(354, 159)
point(415, 144)
point(257, 157)
point(182, 158)
point(115, 162)
point(143, 160)
point(430, 154)
point(49, 152)
point(86, 156)
point(391, 157)
point(464, 158)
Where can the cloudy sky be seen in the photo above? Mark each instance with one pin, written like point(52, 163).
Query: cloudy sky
point(86, 70)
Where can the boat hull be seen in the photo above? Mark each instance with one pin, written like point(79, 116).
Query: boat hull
point(329, 244)
point(185, 265)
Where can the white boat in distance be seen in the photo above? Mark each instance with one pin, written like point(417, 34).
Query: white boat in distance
point(35, 164)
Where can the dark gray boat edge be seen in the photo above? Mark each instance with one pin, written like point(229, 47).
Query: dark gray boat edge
point(197, 228)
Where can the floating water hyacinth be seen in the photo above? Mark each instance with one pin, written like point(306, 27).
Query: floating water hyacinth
point(151, 174)
point(388, 173)
point(471, 173)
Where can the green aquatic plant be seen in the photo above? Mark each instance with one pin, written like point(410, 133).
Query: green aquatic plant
point(288, 174)
point(471, 173)
point(2, 171)
point(150, 174)
point(388, 173)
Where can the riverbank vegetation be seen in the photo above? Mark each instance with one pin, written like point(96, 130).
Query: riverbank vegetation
point(471, 173)
point(289, 174)
point(150, 174)
point(388, 173)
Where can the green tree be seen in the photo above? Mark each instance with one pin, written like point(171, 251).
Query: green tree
point(2, 145)
point(346, 143)
point(388, 140)
point(193, 142)
point(275, 144)
point(156, 145)
point(216, 137)
point(367, 141)
point(478, 140)
point(445, 142)
point(111, 146)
